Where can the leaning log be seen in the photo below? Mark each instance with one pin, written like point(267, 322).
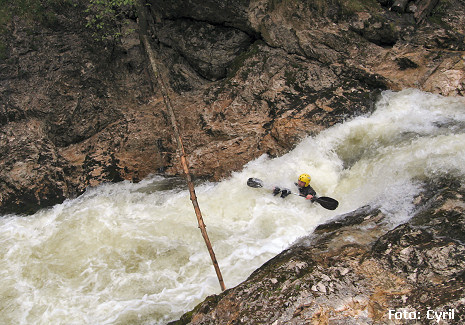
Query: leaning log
point(154, 63)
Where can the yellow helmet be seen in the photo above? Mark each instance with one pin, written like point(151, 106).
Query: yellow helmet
point(305, 178)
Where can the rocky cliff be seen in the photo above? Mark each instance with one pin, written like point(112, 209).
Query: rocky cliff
point(247, 78)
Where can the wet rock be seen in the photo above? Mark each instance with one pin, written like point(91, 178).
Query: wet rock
point(209, 49)
point(416, 267)
point(247, 78)
point(32, 173)
point(69, 112)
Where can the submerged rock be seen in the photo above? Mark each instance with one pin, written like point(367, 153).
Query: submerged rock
point(357, 270)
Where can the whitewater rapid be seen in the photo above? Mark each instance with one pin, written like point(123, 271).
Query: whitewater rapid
point(133, 254)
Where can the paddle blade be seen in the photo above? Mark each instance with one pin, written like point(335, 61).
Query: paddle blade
point(254, 182)
point(327, 202)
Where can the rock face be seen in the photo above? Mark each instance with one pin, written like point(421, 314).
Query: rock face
point(247, 78)
point(66, 110)
point(356, 270)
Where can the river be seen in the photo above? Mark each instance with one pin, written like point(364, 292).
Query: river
point(132, 253)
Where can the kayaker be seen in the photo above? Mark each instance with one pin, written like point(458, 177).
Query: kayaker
point(303, 185)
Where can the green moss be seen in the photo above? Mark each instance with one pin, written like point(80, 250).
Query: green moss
point(350, 7)
point(3, 52)
point(323, 8)
point(439, 12)
point(238, 62)
point(31, 11)
point(291, 77)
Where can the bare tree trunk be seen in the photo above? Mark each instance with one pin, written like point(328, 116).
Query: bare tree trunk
point(142, 13)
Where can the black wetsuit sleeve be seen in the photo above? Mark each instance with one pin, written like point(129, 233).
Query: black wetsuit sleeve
point(304, 191)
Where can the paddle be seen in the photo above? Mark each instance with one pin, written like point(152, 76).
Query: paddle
point(324, 201)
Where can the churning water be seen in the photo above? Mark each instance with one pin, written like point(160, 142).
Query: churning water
point(132, 253)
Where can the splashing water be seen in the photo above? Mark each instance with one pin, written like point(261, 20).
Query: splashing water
point(132, 253)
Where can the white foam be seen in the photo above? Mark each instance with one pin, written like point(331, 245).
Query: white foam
point(133, 252)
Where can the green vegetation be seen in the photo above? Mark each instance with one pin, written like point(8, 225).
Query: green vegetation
point(106, 18)
point(23, 8)
point(27, 9)
point(30, 12)
point(439, 12)
point(40, 11)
